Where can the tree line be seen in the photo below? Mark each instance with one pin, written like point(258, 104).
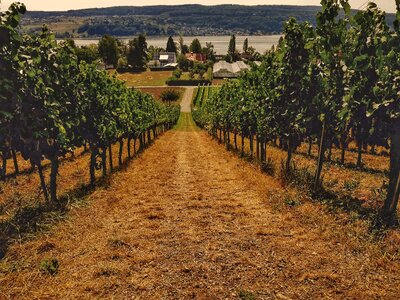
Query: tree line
point(51, 104)
point(188, 20)
point(331, 84)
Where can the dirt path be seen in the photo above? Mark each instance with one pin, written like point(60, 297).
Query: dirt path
point(188, 220)
point(187, 100)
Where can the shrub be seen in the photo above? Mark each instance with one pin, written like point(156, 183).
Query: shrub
point(268, 167)
point(177, 73)
point(170, 95)
point(351, 184)
point(289, 201)
point(49, 266)
point(122, 63)
point(201, 73)
point(300, 177)
point(246, 295)
point(209, 73)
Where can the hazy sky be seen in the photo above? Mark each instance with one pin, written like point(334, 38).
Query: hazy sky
point(387, 5)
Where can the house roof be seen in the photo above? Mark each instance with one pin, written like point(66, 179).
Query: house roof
point(171, 65)
point(195, 56)
point(242, 66)
point(236, 67)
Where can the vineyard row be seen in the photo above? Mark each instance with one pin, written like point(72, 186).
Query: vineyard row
point(332, 85)
point(51, 104)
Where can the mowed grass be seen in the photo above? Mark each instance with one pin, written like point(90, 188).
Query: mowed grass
point(219, 81)
point(155, 78)
point(186, 123)
point(146, 78)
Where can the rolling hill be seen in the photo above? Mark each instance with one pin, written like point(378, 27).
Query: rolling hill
point(171, 20)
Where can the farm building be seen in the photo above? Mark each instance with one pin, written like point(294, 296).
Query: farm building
point(163, 60)
point(196, 57)
point(223, 69)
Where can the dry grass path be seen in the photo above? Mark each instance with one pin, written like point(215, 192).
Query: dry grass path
point(187, 100)
point(188, 220)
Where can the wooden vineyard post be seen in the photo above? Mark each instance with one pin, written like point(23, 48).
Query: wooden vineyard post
point(110, 157)
point(390, 207)
point(93, 155)
point(121, 147)
point(235, 140)
point(242, 145)
point(129, 147)
point(14, 155)
point(104, 161)
point(289, 154)
point(3, 169)
point(53, 178)
point(320, 159)
point(251, 145)
point(42, 181)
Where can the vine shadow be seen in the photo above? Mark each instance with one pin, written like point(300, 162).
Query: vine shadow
point(41, 216)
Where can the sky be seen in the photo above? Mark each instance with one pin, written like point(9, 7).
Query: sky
point(387, 5)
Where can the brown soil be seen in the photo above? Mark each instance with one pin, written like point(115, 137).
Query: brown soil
point(157, 91)
point(188, 220)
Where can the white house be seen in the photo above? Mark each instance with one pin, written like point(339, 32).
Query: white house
point(163, 61)
point(165, 58)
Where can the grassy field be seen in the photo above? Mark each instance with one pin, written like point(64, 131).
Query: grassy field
point(186, 123)
point(155, 78)
point(146, 78)
point(219, 81)
point(61, 25)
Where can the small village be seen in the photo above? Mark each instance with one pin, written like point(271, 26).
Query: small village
point(179, 64)
point(199, 59)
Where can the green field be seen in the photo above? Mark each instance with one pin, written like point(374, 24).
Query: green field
point(146, 78)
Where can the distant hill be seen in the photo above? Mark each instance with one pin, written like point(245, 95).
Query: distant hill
point(172, 20)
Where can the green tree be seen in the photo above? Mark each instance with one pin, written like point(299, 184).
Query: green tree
point(185, 49)
point(195, 46)
point(88, 54)
point(232, 47)
point(208, 50)
point(182, 47)
point(177, 73)
point(171, 47)
point(108, 50)
point(137, 52)
point(151, 51)
point(183, 63)
point(245, 45)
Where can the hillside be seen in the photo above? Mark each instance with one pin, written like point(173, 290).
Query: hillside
point(200, 224)
point(171, 20)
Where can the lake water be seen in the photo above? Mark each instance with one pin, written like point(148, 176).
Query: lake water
point(260, 43)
